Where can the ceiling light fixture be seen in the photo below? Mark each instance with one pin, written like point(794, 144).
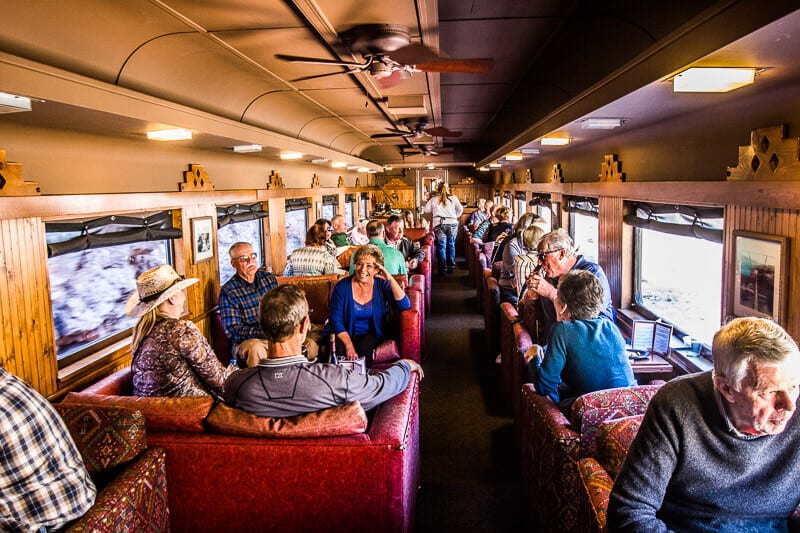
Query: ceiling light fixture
point(530, 151)
point(247, 148)
point(363, 169)
point(554, 141)
point(495, 165)
point(352, 167)
point(601, 123)
point(338, 164)
point(484, 169)
point(291, 155)
point(176, 134)
point(320, 161)
point(514, 156)
point(712, 79)
point(11, 103)
point(430, 166)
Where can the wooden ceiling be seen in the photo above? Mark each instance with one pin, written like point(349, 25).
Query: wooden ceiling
point(211, 66)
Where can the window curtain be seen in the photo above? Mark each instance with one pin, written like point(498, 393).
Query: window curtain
point(231, 214)
point(111, 230)
point(297, 204)
point(330, 199)
point(683, 220)
point(350, 197)
point(520, 196)
point(583, 206)
point(539, 199)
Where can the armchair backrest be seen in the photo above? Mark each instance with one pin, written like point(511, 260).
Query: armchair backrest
point(318, 292)
point(614, 440)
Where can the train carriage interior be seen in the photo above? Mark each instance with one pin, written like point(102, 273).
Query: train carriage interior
point(289, 111)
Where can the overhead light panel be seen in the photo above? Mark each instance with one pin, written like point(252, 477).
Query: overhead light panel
point(554, 141)
point(247, 148)
point(601, 123)
point(387, 167)
point(363, 169)
point(352, 167)
point(712, 79)
point(338, 164)
point(530, 151)
point(514, 156)
point(291, 155)
point(176, 134)
point(320, 161)
point(11, 103)
point(495, 165)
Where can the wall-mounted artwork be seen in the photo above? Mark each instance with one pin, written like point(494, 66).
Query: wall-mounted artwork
point(202, 240)
point(760, 275)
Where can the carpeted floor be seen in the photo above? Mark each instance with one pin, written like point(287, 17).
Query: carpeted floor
point(470, 463)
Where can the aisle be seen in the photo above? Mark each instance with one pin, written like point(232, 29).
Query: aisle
point(470, 464)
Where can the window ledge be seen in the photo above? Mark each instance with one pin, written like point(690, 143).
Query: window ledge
point(93, 366)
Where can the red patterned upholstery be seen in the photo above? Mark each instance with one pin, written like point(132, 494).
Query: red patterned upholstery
point(595, 490)
point(614, 441)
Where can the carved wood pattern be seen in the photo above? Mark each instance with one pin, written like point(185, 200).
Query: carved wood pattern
point(340, 183)
point(196, 179)
point(611, 169)
point(358, 182)
point(12, 181)
point(557, 176)
point(275, 181)
point(315, 182)
point(769, 156)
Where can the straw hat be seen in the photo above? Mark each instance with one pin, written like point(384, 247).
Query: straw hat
point(153, 288)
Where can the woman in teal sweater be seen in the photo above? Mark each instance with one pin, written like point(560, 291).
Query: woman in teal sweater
point(585, 352)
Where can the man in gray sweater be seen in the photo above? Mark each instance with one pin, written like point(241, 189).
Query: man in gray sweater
point(719, 451)
point(287, 384)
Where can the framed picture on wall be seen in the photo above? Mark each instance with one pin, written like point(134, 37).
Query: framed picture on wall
point(761, 271)
point(202, 239)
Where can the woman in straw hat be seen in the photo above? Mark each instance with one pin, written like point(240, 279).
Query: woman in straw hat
point(171, 357)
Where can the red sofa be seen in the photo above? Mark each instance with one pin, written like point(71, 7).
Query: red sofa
point(357, 482)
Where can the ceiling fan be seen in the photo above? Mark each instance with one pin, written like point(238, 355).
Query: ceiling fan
point(420, 130)
point(390, 56)
point(426, 150)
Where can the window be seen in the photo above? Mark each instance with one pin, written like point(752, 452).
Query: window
point(349, 212)
point(93, 266)
point(521, 204)
point(583, 226)
point(365, 205)
point(296, 223)
point(329, 205)
point(238, 223)
point(542, 207)
point(678, 264)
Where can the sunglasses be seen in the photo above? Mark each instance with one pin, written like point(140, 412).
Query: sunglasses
point(543, 255)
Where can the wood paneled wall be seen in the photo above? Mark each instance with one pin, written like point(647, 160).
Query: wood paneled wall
point(611, 244)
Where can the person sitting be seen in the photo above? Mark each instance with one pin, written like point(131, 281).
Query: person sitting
point(410, 220)
point(286, 384)
point(498, 230)
point(171, 357)
point(313, 259)
point(480, 230)
point(584, 353)
point(509, 249)
point(360, 304)
point(44, 484)
point(358, 233)
point(327, 229)
point(718, 450)
point(392, 260)
point(412, 253)
point(238, 304)
point(557, 256)
point(339, 236)
point(525, 264)
point(480, 213)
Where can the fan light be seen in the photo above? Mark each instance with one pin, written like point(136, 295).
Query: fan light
point(247, 148)
point(712, 80)
point(601, 123)
point(169, 135)
point(338, 164)
point(554, 141)
point(291, 155)
point(514, 156)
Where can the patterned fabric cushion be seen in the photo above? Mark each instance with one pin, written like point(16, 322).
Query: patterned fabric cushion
point(597, 487)
point(614, 441)
point(106, 436)
point(134, 501)
point(592, 409)
point(162, 414)
point(343, 420)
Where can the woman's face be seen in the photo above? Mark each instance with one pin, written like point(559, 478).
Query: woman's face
point(366, 267)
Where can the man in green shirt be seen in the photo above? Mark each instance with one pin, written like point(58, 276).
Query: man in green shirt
point(394, 262)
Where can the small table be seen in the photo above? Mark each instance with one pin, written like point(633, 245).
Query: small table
point(650, 368)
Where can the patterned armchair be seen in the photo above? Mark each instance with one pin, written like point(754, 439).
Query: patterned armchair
point(131, 479)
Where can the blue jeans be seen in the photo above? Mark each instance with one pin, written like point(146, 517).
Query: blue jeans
point(446, 246)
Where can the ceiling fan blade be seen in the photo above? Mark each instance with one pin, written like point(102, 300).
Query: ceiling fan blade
point(304, 78)
point(317, 61)
point(439, 131)
point(427, 60)
point(386, 135)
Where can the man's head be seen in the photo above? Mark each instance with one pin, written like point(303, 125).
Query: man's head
point(283, 313)
point(757, 371)
point(481, 205)
point(375, 229)
point(557, 253)
point(394, 228)
point(339, 224)
point(244, 260)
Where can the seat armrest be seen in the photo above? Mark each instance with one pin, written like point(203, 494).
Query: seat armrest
point(394, 419)
point(410, 340)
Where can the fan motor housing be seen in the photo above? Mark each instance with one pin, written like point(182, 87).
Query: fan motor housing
point(372, 39)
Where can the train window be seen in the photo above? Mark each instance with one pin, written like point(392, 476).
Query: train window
point(364, 205)
point(583, 226)
point(521, 204)
point(92, 268)
point(296, 223)
point(245, 231)
point(349, 211)
point(541, 206)
point(330, 204)
point(678, 266)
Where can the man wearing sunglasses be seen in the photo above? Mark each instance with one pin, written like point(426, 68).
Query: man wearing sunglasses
point(557, 256)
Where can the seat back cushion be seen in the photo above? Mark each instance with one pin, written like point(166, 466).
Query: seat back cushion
point(106, 436)
point(614, 441)
point(347, 419)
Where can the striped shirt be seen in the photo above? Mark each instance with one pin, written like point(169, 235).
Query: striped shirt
point(524, 265)
point(43, 481)
point(311, 261)
point(238, 305)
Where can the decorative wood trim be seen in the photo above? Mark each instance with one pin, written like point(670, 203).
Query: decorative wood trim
point(557, 176)
point(196, 179)
point(315, 182)
point(12, 181)
point(770, 156)
point(340, 183)
point(275, 181)
point(611, 169)
point(358, 182)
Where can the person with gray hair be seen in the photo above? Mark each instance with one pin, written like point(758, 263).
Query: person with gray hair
point(509, 249)
point(287, 384)
point(719, 450)
point(557, 256)
point(584, 353)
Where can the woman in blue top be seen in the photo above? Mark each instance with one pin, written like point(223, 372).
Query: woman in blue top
point(585, 353)
point(360, 303)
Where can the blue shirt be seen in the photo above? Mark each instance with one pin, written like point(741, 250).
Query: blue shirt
point(238, 305)
point(342, 308)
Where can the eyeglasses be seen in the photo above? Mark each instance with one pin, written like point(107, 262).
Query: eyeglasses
point(247, 258)
point(329, 230)
point(543, 255)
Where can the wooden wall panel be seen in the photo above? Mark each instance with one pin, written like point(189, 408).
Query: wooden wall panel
point(202, 296)
point(27, 344)
point(610, 239)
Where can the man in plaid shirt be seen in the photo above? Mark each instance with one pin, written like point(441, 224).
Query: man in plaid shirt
point(43, 482)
